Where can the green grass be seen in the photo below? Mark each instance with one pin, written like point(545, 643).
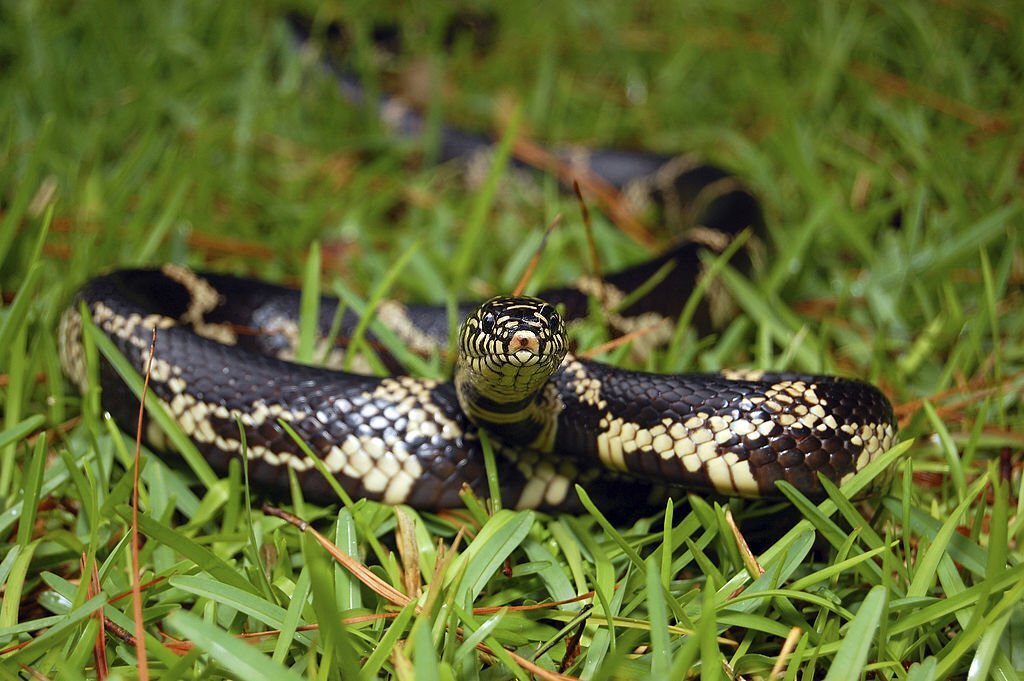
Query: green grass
point(885, 143)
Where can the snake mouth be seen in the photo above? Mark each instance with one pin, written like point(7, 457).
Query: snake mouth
point(518, 359)
point(527, 358)
point(524, 350)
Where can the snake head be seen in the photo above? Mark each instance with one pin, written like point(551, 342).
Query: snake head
point(512, 343)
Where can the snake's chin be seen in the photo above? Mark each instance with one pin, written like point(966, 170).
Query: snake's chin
point(524, 359)
point(521, 358)
point(528, 358)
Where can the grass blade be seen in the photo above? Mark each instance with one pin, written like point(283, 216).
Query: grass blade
point(849, 662)
point(228, 652)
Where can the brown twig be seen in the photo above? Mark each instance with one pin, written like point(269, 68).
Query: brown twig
point(393, 595)
point(532, 266)
point(99, 646)
point(617, 342)
point(588, 229)
point(892, 84)
point(606, 195)
point(140, 632)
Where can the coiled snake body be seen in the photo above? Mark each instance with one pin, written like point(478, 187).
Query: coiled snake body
point(408, 440)
point(415, 441)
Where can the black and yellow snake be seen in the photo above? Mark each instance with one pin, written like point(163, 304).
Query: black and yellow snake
point(224, 343)
point(415, 441)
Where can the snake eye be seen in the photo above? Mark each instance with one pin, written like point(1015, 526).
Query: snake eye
point(550, 314)
point(487, 321)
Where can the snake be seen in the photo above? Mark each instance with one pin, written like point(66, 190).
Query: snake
point(224, 362)
point(223, 359)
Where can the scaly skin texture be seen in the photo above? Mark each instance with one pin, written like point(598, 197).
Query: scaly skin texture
point(407, 440)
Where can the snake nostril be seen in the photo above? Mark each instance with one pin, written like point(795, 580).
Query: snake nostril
point(525, 340)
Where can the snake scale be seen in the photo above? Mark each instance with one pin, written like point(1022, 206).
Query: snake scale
point(225, 344)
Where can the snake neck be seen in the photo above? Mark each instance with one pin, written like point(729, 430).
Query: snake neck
point(509, 348)
point(521, 417)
